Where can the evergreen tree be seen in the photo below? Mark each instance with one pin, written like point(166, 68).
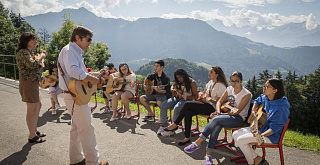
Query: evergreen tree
point(278, 75)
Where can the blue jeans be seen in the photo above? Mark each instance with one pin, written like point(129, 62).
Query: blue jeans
point(216, 124)
point(174, 103)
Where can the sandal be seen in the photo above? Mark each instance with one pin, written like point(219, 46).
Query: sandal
point(35, 140)
point(148, 117)
point(166, 129)
point(41, 134)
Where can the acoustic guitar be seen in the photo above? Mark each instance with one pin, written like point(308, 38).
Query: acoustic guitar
point(81, 91)
point(49, 81)
point(177, 93)
point(38, 56)
point(257, 122)
point(226, 107)
point(261, 117)
point(118, 84)
point(150, 86)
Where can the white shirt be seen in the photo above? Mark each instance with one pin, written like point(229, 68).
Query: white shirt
point(235, 100)
point(216, 89)
point(72, 63)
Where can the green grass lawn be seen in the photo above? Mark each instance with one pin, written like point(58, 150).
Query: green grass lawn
point(291, 138)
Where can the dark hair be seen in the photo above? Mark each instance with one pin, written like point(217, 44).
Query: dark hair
point(277, 84)
point(52, 65)
point(124, 64)
point(238, 74)
point(221, 76)
point(24, 40)
point(81, 31)
point(160, 62)
point(110, 65)
point(186, 78)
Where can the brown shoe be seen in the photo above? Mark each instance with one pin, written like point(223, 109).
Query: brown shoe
point(83, 162)
point(104, 162)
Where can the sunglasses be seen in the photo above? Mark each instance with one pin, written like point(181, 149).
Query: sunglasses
point(88, 39)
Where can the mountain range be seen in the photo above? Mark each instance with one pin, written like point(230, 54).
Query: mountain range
point(288, 35)
point(146, 39)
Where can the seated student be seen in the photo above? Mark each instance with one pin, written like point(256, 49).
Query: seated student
point(128, 91)
point(276, 106)
point(110, 69)
point(205, 106)
point(54, 90)
point(184, 88)
point(158, 94)
point(239, 98)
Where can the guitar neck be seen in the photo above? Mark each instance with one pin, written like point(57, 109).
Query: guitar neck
point(100, 75)
point(228, 106)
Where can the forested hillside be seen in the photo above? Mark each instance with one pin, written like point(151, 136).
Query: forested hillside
point(198, 73)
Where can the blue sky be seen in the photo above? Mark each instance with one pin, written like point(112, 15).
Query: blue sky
point(260, 14)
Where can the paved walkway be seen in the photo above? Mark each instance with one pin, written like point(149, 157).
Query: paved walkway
point(120, 142)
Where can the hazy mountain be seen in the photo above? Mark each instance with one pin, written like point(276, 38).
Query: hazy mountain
point(147, 39)
point(289, 35)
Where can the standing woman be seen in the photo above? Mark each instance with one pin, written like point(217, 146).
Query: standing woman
point(128, 91)
point(277, 107)
point(29, 77)
point(214, 90)
point(239, 98)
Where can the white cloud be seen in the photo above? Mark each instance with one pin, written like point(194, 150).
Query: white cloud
point(109, 4)
point(242, 3)
point(154, 1)
point(307, 0)
point(248, 33)
point(244, 17)
point(311, 22)
point(33, 7)
point(245, 3)
point(184, 1)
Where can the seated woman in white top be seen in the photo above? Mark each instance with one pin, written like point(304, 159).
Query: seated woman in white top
point(125, 93)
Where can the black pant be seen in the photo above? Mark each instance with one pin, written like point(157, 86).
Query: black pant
point(190, 109)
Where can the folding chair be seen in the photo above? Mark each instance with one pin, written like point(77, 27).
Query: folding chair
point(268, 145)
point(136, 97)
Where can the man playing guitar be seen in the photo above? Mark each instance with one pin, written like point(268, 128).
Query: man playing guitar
point(158, 94)
point(83, 146)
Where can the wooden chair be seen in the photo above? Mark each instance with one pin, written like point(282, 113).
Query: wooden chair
point(268, 145)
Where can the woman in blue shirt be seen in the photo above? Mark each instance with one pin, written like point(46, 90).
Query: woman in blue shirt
point(277, 109)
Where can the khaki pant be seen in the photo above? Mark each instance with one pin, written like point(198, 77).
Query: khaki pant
point(82, 137)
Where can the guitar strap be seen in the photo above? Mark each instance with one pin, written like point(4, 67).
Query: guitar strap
point(212, 88)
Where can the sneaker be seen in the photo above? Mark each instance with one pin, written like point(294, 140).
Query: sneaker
point(54, 112)
point(160, 130)
point(192, 147)
point(106, 110)
point(57, 107)
point(208, 159)
point(167, 133)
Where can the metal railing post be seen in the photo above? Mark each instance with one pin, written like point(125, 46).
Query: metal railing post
point(4, 65)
